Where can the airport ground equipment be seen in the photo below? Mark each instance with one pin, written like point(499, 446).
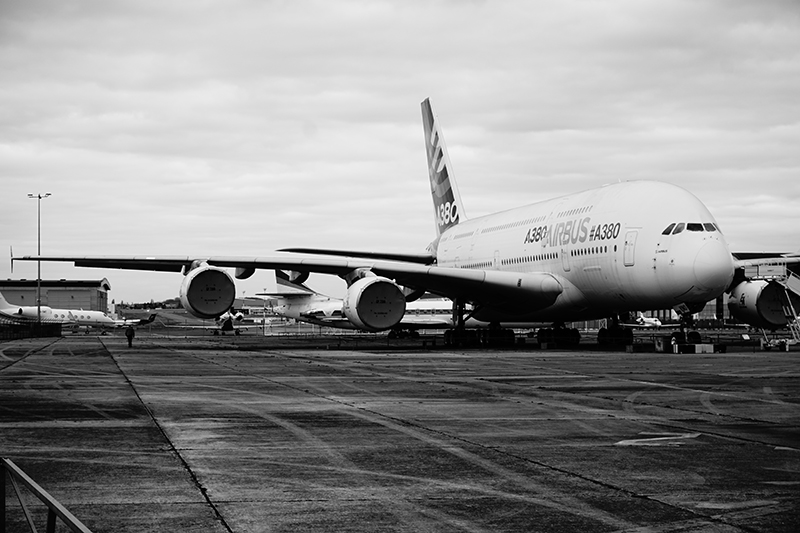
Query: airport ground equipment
point(791, 283)
point(764, 299)
point(54, 509)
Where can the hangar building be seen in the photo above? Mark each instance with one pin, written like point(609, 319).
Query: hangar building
point(90, 295)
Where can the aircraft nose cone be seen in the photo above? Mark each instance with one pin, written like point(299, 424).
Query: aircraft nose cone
point(713, 267)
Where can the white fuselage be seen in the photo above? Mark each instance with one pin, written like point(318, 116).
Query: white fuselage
point(607, 247)
point(95, 319)
point(648, 322)
point(49, 315)
point(314, 309)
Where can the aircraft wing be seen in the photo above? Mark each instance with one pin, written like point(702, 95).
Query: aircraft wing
point(488, 287)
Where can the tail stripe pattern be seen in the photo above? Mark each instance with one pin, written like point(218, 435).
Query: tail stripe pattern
point(446, 200)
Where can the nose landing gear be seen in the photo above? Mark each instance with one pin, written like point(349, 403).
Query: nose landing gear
point(682, 336)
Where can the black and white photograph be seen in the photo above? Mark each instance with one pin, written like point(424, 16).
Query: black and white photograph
point(383, 266)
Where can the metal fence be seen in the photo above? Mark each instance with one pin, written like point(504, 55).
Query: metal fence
point(15, 330)
point(54, 509)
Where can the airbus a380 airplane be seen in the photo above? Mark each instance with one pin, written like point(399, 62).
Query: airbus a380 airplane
point(593, 254)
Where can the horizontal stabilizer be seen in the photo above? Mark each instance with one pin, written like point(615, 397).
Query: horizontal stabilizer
point(424, 258)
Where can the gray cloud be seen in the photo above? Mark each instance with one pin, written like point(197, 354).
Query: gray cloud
point(239, 127)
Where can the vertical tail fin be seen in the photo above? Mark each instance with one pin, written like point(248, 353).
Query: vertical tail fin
point(286, 286)
point(448, 209)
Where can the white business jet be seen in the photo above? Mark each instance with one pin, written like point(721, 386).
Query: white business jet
point(49, 315)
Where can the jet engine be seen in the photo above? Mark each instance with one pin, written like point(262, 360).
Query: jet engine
point(374, 303)
point(207, 292)
point(29, 312)
point(758, 303)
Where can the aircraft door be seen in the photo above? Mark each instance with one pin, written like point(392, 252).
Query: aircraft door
point(629, 250)
point(565, 258)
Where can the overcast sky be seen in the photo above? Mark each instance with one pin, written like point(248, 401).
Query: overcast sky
point(235, 128)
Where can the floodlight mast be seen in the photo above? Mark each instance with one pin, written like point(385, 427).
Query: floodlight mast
point(38, 198)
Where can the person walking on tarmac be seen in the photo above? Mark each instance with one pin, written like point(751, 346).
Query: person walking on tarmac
point(130, 333)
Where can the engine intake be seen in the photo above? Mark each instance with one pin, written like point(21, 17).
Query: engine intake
point(757, 303)
point(29, 312)
point(374, 304)
point(207, 292)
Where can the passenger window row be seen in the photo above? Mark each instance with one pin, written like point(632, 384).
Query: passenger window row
point(675, 228)
point(529, 259)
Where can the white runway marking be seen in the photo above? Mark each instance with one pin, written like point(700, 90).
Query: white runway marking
point(668, 439)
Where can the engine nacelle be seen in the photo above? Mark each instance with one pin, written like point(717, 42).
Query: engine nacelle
point(207, 292)
point(757, 303)
point(374, 304)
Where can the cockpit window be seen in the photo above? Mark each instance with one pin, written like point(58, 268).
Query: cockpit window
point(679, 228)
point(668, 230)
point(709, 226)
point(694, 226)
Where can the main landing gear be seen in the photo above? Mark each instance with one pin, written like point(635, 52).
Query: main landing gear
point(686, 337)
point(494, 337)
point(618, 334)
point(615, 334)
point(459, 335)
point(560, 335)
point(222, 332)
point(403, 334)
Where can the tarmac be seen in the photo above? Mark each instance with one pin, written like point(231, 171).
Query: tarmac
point(255, 434)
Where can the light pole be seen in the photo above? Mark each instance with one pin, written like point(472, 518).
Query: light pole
point(38, 198)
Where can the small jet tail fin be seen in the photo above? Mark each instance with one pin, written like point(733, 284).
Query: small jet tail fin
point(286, 286)
point(448, 209)
point(3, 302)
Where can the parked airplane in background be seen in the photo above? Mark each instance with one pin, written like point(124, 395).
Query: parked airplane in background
point(76, 317)
point(648, 322)
point(326, 311)
point(228, 321)
point(593, 254)
point(642, 321)
point(299, 302)
point(125, 322)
